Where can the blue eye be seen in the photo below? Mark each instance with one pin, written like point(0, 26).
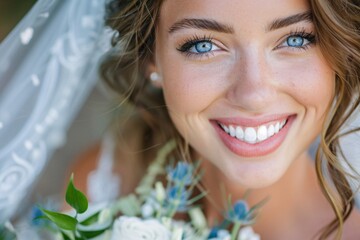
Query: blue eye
point(198, 46)
point(299, 40)
point(202, 47)
point(295, 41)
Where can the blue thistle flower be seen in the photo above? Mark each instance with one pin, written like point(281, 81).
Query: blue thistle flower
point(240, 213)
point(213, 233)
point(178, 196)
point(182, 173)
point(217, 233)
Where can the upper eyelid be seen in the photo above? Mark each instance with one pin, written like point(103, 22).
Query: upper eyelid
point(305, 46)
point(202, 38)
point(199, 55)
point(298, 32)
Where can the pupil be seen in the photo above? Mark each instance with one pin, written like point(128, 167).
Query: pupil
point(295, 41)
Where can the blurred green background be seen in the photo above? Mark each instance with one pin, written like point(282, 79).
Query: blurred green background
point(11, 12)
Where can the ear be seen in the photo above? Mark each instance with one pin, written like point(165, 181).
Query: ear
point(152, 74)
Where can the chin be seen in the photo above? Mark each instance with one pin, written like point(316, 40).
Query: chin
point(254, 174)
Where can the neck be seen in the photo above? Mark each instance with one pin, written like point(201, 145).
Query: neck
point(297, 189)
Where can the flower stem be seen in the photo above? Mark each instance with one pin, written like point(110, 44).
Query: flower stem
point(235, 230)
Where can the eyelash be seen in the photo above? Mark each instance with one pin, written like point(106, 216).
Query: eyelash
point(309, 36)
point(187, 44)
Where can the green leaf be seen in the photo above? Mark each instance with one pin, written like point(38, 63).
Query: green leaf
point(6, 234)
point(78, 238)
point(65, 235)
point(39, 219)
point(93, 230)
point(63, 221)
point(75, 198)
point(91, 219)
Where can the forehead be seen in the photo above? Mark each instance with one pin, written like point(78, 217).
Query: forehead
point(237, 13)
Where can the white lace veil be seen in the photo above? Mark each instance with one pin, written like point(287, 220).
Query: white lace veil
point(48, 65)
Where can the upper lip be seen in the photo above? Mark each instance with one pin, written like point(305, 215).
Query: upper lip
point(253, 121)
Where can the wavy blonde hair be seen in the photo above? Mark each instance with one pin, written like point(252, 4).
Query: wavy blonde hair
point(337, 24)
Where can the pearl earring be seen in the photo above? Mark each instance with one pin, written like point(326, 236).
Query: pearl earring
point(154, 76)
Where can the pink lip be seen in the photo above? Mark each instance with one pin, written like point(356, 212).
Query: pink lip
point(245, 149)
point(252, 122)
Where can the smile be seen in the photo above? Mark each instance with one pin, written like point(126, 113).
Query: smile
point(253, 137)
point(256, 134)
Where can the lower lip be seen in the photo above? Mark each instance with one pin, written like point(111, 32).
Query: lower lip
point(263, 148)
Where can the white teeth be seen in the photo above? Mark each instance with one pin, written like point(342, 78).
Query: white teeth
point(226, 129)
point(277, 127)
point(262, 133)
point(271, 130)
point(250, 135)
point(232, 131)
point(253, 134)
point(282, 123)
point(239, 133)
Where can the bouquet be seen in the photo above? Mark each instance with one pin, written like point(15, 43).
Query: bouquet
point(152, 211)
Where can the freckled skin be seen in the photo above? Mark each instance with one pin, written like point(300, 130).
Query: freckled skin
point(246, 76)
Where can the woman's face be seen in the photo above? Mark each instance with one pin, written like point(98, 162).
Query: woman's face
point(244, 82)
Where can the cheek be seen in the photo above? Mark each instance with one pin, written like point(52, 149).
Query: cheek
point(311, 84)
point(190, 88)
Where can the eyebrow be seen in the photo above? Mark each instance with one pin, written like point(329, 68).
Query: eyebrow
point(206, 24)
point(284, 22)
point(210, 24)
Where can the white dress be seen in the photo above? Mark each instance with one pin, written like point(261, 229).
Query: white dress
point(103, 184)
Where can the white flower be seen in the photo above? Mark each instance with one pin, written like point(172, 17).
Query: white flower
point(187, 231)
point(132, 228)
point(224, 234)
point(147, 210)
point(177, 233)
point(247, 233)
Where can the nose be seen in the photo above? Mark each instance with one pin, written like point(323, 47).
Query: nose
point(253, 85)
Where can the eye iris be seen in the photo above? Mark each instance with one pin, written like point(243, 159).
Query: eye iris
point(202, 47)
point(295, 41)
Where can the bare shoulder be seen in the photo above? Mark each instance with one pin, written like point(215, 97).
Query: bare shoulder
point(352, 226)
point(85, 163)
